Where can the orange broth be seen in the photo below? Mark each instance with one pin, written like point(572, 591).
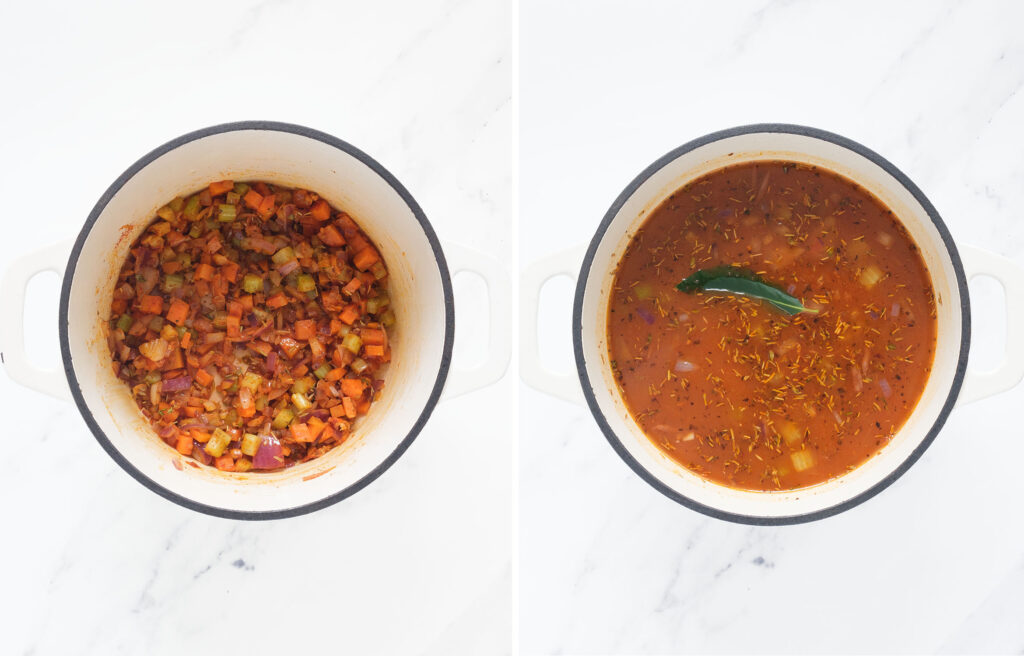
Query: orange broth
point(737, 390)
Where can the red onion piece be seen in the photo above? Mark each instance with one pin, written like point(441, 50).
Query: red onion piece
point(288, 267)
point(179, 384)
point(268, 456)
point(166, 431)
point(272, 361)
point(645, 314)
point(202, 425)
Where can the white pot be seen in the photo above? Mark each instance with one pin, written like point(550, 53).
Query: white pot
point(765, 142)
point(290, 155)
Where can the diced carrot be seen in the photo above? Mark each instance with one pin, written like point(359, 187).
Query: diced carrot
point(300, 432)
point(315, 428)
point(230, 271)
point(374, 351)
point(321, 211)
point(331, 236)
point(316, 349)
point(224, 463)
point(186, 340)
point(246, 301)
point(174, 360)
point(233, 325)
point(221, 187)
point(373, 336)
point(151, 304)
point(189, 411)
point(349, 314)
point(178, 312)
point(352, 387)
point(350, 407)
point(213, 243)
point(338, 410)
point(235, 309)
point(171, 266)
point(305, 329)
point(203, 377)
point(184, 445)
point(201, 435)
point(173, 238)
point(261, 347)
point(253, 199)
point(118, 306)
point(363, 407)
point(266, 207)
point(352, 286)
point(261, 187)
point(278, 300)
point(204, 271)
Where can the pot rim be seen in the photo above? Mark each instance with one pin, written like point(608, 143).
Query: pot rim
point(449, 310)
point(588, 260)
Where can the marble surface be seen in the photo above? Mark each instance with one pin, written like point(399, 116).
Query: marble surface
point(421, 560)
point(933, 564)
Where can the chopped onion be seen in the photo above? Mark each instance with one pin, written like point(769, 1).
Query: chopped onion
point(179, 384)
point(791, 288)
point(886, 388)
point(683, 317)
point(288, 267)
point(269, 454)
point(885, 239)
point(685, 366)
point(895, 310)
point(645, 314)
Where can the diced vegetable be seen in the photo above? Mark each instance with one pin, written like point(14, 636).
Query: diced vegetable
point(252, 283)
point(305, 283)
point(870, 276)
point(283, 418)
point(218, 442)
point(802, 460)
point(250, 444)
point(251, 382)
point(790, 432)
point(352, 342)
point(286, 254)
point(226, 213)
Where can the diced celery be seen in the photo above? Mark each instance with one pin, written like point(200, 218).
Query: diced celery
point(643, 291)
point(359, 365)
point(346, 273)
point(160, 228)
point(156, 323)
point(388, 318)
point(251, 444)
point(378, 270)
point(241, 189)
point(305, 283)
point(283, 418)
point(790, 433)
point(186, 260)
point(177, 203)
point(352, 342)
point(196, 231)
point(321, 371)
point(191, 211)
point(802, 460)
point(870, 276)
point(165, 213)
point(250, 381)
point(226, 213)
point(252, 283)
point(124, 323)
point(301, 402)
point(152, 377)
point(286, 254)
point(261, 402)
point(303, 385)
point(217, 443)
point(377, 303)
point(242, 465)
point(173, 281)
point(233, 198)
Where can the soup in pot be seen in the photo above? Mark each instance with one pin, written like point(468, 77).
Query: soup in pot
point(771, 326)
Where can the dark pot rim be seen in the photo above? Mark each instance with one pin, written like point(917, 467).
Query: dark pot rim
point(442, 374)
point(588, 260)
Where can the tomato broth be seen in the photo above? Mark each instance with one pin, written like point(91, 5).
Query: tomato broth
point(739, 391)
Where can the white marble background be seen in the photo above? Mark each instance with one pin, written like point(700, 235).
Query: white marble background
point(419, 562)
point(935, 563)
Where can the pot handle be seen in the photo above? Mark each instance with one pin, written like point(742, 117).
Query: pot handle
point(532, 370)
point(980, 385)
point(12, 320)
point(499, 349)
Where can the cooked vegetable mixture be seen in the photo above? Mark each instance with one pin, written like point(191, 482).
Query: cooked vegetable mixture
point(799, 340)
point(251, 322)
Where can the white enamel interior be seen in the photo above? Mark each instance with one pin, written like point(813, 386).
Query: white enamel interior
point(745, 148)
point(347, 183)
